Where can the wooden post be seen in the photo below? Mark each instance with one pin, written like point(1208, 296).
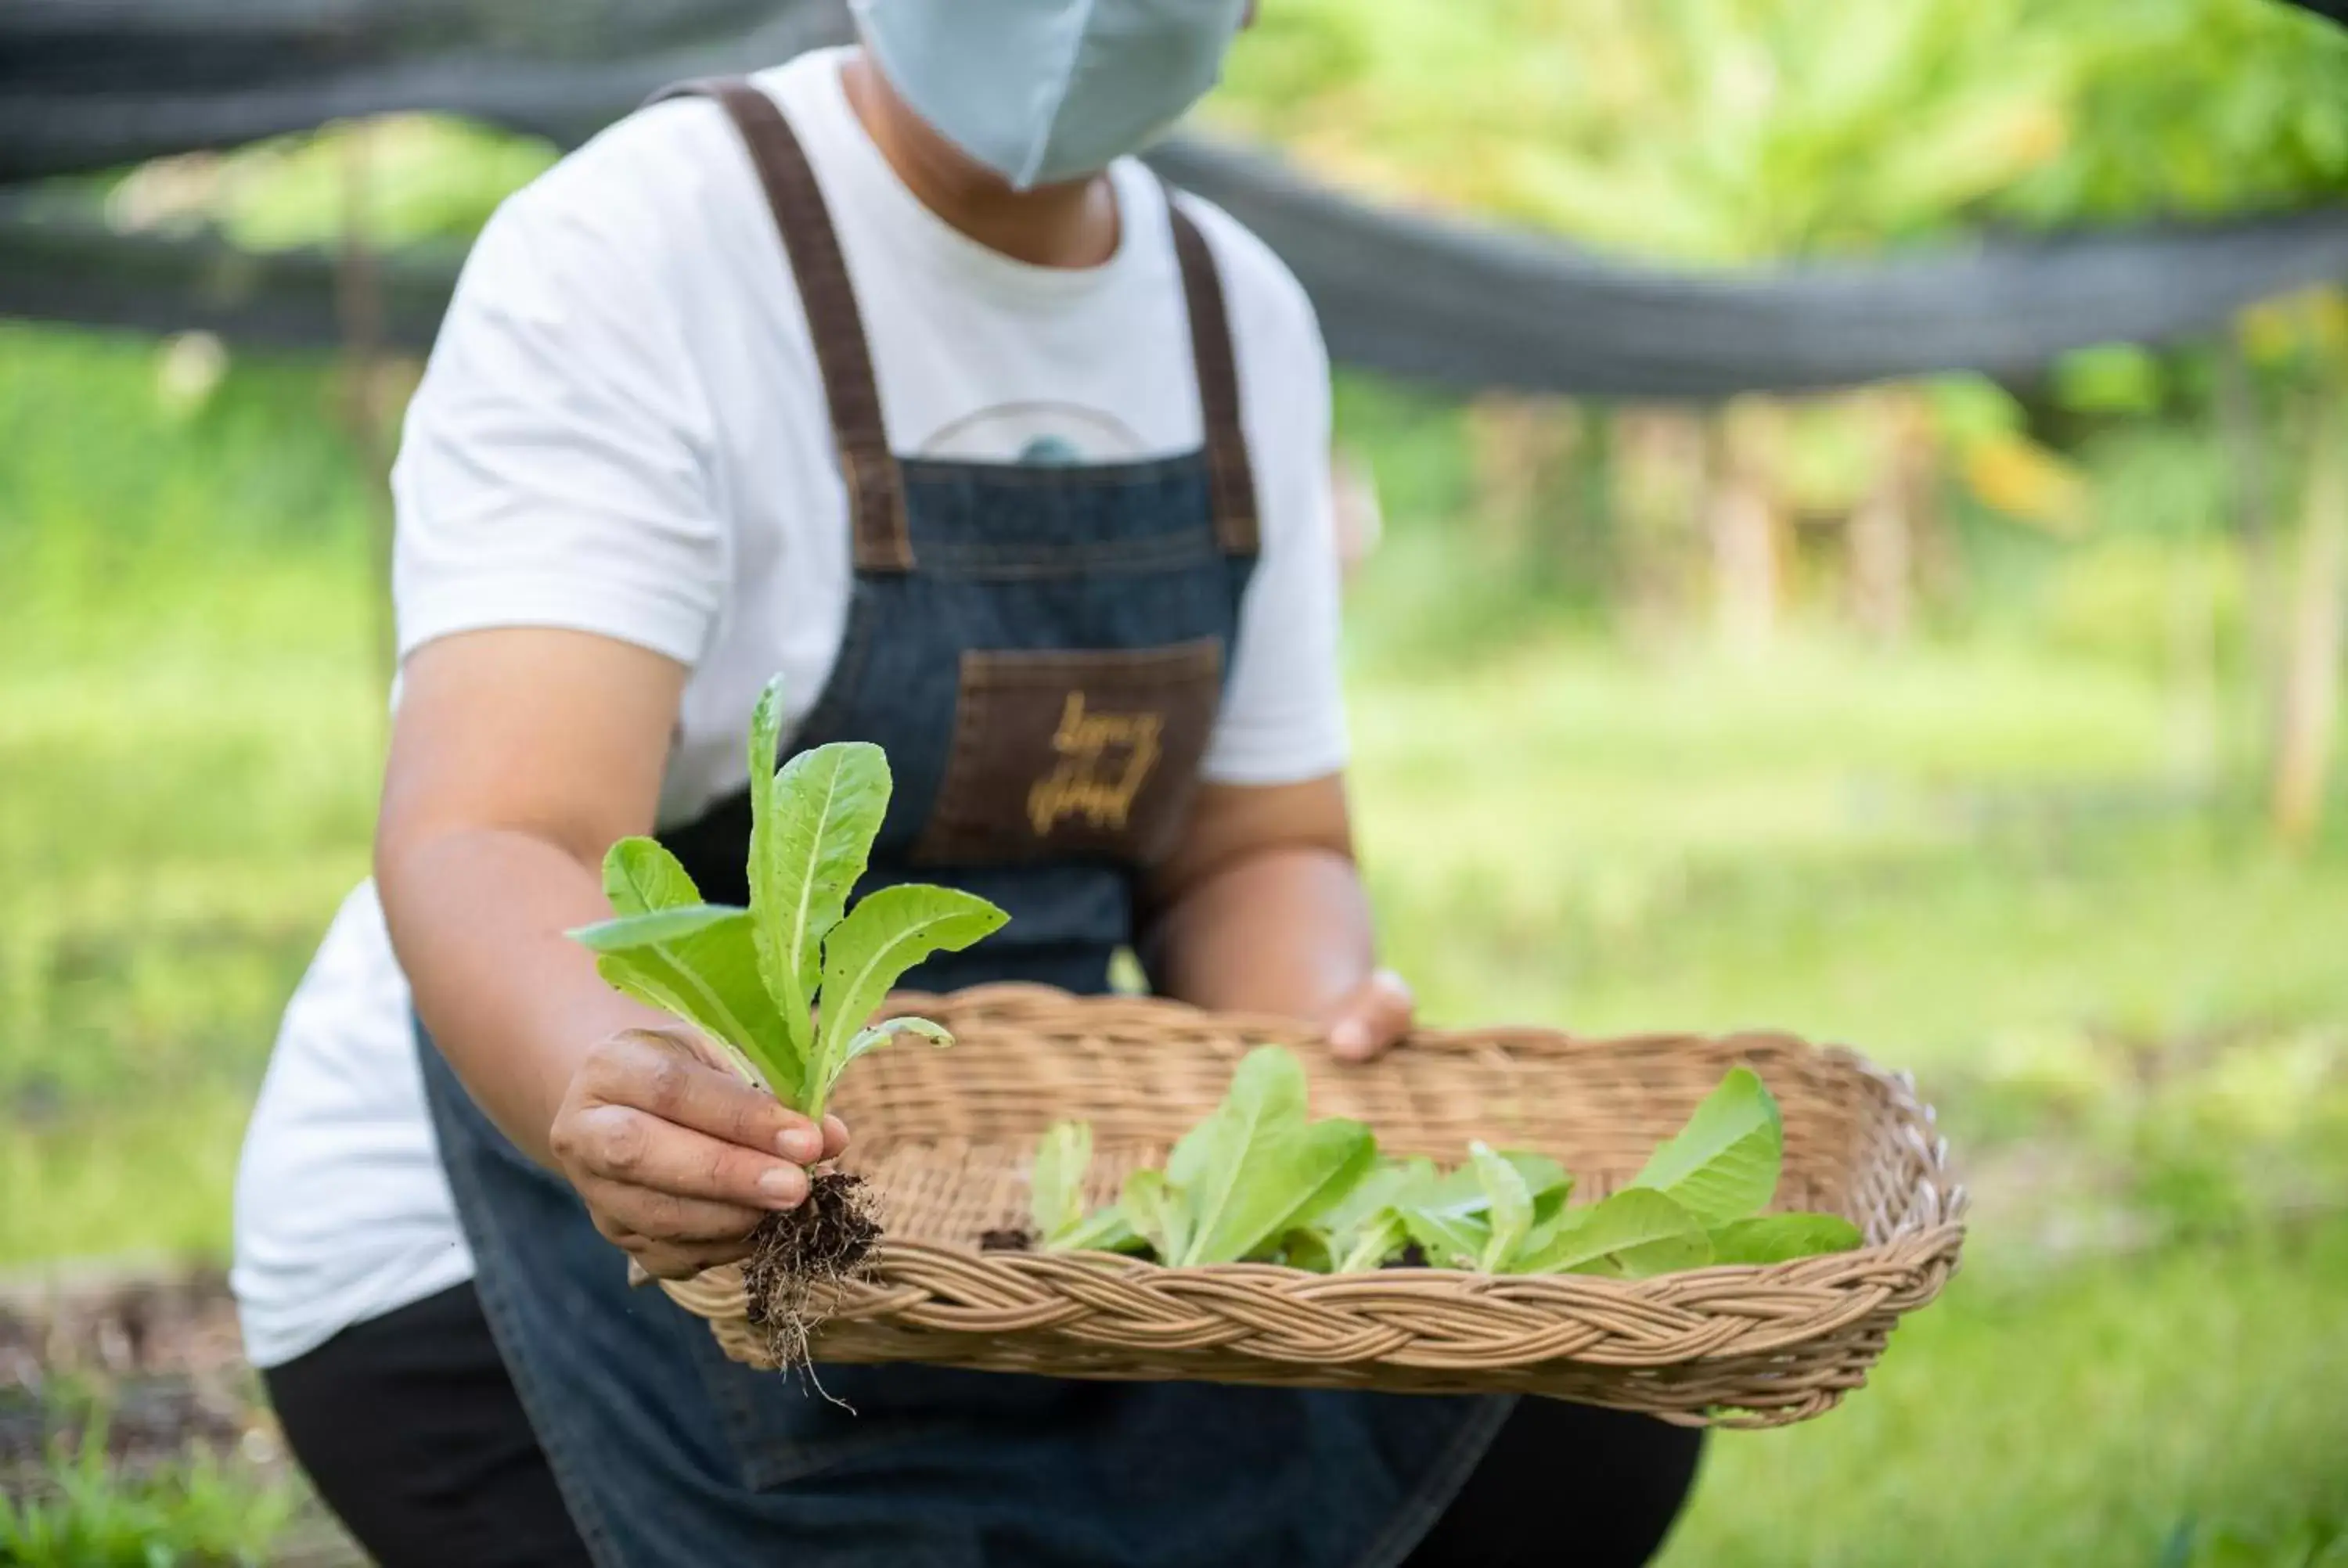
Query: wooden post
point(2243, 436)
point(358, 298)
point(1655, 487)
point(1499, 468)
point(2313, 646)
point(1881, 536)
point(1743, 523)
point(2193, 639)
point(1518, 447)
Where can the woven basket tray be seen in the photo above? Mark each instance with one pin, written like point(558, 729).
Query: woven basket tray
point(946, 1136)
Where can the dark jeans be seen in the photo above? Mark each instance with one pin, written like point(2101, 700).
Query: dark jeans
point(409, 1428)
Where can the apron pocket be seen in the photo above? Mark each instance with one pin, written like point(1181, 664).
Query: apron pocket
point(1074, 754)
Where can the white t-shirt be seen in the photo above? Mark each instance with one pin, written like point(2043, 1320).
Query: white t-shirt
point(621, 431)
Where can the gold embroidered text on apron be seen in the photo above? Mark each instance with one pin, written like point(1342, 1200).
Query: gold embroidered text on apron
point(1104, 759)
point(1064, 752)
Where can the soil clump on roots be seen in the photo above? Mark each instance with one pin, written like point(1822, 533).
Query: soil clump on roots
point(826, 1242)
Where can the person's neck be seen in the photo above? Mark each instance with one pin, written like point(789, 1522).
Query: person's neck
point(1071, 224)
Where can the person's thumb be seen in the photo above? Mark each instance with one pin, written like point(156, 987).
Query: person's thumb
point(1373, 1019)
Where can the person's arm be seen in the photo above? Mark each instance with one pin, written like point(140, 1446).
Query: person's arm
point(1261, 909)
point(517, 758)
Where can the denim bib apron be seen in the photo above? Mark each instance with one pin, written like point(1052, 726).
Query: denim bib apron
point(1041, 651)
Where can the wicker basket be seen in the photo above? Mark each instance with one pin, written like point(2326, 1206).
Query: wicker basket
point(946, 1138)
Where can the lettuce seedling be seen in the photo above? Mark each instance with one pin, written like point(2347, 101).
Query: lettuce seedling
point(1722, 1165)
point(1056, 1209)
point(1365, 1230)
point(1631, 1235)
point(1255, 1170)
point(788, 985)
point(1694, 1203)
point(1691, 1204)
point(1474, 1216)
point(1781, 1238)
point(1055, 1196)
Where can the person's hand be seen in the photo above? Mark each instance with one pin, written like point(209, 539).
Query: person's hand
point(1372, 1019)
point(677, 1156)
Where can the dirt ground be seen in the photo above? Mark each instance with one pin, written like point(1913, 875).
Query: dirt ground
point(157, 1349)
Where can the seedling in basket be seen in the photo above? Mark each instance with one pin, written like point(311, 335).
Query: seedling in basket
point(1056, 1191)
point(1255, 1172)
point(1696, 1201)
point(1259, 1181)
point(789, 987)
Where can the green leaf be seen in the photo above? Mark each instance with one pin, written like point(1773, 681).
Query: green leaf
point(1055, 1196)
point(1156, 1216)
point(698, 962)
point(1368, 1246)
point(1258, 1167)
point(1445, 1215)
point(1102, 1230)
point(1462, 1191)
point(1055, 1185)
point(812, 825)
point(640, 876)
point(1635, 1233)
point(1449, 1240)
point(1777, 1238)
point(1364, 1229)
point(1545, 1179)
point(808, 845)
point(668, 949)
point(1723, 1165)
point(1308, 1249)
point(766, 743)
point(882, 1033)
point(1449, 1216)
point(1387, 1180)
point(1509, 1207)
point(867, 953)
point(654, 927)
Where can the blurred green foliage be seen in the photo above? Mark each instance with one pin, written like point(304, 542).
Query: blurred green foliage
point(2319, 1541)
point(2092, 1417)
point(1974, 856)
point(200, 1512)
point(1995, 855)
point(1727, 131)
point(422, 179)
point(189, 724)
point(189, 720)
point(1708, 131)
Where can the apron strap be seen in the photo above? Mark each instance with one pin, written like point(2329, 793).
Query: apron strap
point(876, 496)
point(1230, 476)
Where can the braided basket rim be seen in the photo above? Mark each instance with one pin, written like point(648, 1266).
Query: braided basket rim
point(1737, 1344)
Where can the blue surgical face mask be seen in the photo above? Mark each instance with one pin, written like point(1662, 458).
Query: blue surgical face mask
point(1046, 90)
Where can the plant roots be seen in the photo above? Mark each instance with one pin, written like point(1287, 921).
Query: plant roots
point(826, 1242)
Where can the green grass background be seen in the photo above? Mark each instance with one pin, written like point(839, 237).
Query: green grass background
point(1977, 857)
